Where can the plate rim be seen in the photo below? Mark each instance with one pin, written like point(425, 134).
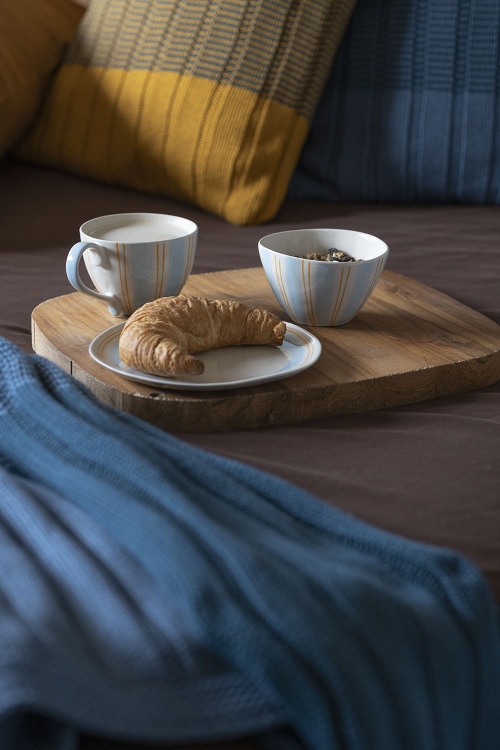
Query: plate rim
point(173, 384)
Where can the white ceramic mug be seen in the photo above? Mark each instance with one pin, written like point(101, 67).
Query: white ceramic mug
point(133, 258)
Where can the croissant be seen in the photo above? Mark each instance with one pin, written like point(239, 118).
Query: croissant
point(160, 337)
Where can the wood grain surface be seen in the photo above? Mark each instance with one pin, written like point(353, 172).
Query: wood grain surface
point(409, 343)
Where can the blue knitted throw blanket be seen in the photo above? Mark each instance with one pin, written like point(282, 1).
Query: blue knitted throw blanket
point(152, 591)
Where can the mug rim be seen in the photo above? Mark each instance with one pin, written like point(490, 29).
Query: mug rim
point(190, 228)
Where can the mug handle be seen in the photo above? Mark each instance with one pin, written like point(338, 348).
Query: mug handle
point(73, 274)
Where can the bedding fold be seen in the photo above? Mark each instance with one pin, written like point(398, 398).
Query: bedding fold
point(153, 591)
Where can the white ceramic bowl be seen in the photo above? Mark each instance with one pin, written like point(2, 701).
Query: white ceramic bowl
point(317, 292)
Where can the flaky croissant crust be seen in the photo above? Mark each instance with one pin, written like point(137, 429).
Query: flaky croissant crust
point(161, 337)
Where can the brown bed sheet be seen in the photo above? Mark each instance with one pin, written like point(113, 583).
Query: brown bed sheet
point(428, 471)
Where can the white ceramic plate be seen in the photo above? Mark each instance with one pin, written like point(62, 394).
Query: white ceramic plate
point(230, 367)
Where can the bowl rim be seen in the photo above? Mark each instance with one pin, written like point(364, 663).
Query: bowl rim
point(306, 230)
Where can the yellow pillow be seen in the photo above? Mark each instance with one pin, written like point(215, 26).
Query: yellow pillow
point(33, 35)
point(207, 102)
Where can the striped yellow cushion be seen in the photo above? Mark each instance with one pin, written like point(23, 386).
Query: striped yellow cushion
point(207, 101)
point(33, 35)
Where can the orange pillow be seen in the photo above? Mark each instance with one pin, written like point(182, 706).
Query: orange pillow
point(206, 102)
point(33, 36)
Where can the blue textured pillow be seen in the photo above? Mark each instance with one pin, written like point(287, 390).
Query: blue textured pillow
point(411, 112)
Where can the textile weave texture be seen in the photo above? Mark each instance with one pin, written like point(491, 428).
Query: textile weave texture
point(152, 591)
point(208, 102)
point(411, 111)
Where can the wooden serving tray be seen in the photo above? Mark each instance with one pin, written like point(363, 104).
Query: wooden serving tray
point(409, 343)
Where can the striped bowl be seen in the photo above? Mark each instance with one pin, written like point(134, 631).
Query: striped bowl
point(321, 293)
